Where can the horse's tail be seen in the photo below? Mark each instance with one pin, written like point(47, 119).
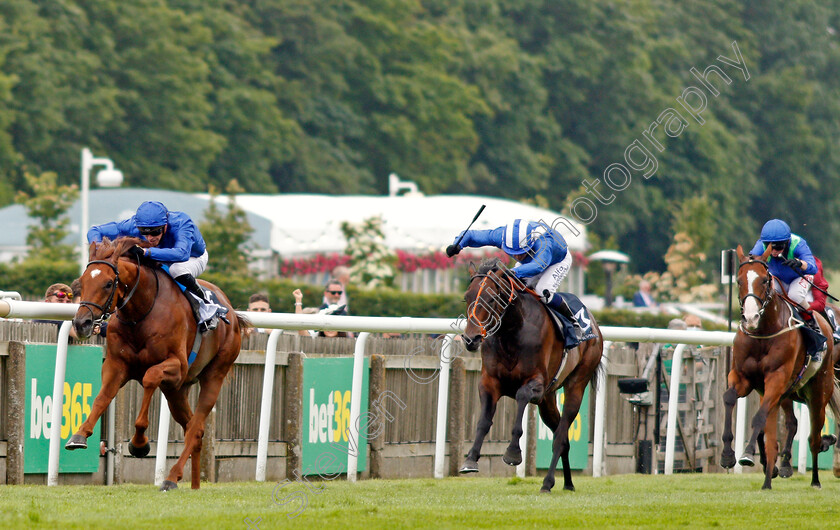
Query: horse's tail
point(243, 321)
point(834, 401)
point(600, 371)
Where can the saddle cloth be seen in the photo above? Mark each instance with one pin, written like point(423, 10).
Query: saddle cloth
point(566, 327)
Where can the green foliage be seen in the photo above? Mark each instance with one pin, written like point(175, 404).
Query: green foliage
point(32, 277)
point(226, 235)
point(511, 99)
point(48, 203)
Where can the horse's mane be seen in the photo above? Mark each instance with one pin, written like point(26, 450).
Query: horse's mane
point(489, 265)
point(107, 249)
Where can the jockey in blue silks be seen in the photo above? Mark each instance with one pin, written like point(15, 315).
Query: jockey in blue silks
point(175, 239)
point(542, 255)
point(789, 253)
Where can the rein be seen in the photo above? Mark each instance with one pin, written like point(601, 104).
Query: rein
point(792, 322)
point(105, 313)
point(514, 288)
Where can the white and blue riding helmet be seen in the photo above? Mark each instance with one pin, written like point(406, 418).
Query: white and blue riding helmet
point(520, 236)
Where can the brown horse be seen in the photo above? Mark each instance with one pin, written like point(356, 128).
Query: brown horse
point(522, 357)
point(149, 340)
point(769, 355)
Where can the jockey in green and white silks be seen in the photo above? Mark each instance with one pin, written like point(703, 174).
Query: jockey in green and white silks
point(789, 253)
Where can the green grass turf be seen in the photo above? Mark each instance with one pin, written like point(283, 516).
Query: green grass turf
point(626, 501)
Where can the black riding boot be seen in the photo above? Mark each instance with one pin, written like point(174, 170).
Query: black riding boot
point(818, 342)
point(557, 302)
point(188, 281)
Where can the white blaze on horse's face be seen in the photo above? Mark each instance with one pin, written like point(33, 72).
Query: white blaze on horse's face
point(95, 273)
point(751, 306)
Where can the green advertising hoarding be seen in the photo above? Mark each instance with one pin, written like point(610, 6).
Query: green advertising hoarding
point(83, 380)
point(327, 390)
point(578, 436)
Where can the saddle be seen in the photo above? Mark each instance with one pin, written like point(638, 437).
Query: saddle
point(566, 327)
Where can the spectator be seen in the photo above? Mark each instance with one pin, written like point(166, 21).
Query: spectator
point(333, 292)
point(342, 275)
point(643, 297)
point(299, 309)
point(258, 302)
point(693, 322)
point(58, 293)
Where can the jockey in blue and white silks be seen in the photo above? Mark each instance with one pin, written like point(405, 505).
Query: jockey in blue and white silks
point(175, 239)
point(542, 255)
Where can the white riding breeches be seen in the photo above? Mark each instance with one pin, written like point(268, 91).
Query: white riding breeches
point(799, 290)
point(194, 266)
point(550, 278)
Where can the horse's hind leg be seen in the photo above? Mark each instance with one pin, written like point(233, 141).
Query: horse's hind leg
point(532, 390)
point(785, 469)
point(551, 417)
point(179, 406)
point(114, 376)
point(169, 370)
point(489, 395)
point(817, 412)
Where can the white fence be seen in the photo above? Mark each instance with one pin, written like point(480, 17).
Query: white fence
point(364, 326)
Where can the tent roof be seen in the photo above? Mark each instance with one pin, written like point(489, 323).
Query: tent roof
point(296, 224)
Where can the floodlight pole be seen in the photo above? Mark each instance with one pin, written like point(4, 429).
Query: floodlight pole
point(88, 162)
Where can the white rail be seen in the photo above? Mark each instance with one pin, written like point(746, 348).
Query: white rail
point(10, 308)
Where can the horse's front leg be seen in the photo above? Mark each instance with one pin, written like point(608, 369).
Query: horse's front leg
point(168, 370)
point(738, 387)
point(791, 425)
point(771, 446)
point(114, 376)
point(530, 391)
point(489, 395)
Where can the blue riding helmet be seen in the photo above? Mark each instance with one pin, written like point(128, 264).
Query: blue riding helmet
point(151, 214)
point(775, 230)
point(519, 236)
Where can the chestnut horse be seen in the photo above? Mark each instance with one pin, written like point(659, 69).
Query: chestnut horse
point(769, 355)
point(522, 357)
point(149, 340)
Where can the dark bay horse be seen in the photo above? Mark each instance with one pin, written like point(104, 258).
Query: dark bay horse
point(149, 340)
point(522, 357)
point(769, 355)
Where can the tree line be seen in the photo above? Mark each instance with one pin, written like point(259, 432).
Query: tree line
point(530, 101)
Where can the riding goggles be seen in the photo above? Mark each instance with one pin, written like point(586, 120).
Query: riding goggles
point(150, 230)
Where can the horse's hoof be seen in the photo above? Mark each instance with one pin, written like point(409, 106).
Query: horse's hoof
point(470, 466)
point(746, 461)
point(168, 485)
point(512, 458)
point(775, 471)
point(727, 460)
point(77, 441)
point(545, 490)
point(570, 487)
point(816, 486)
point(139, 452)
point(786, 471)
point(827, 441)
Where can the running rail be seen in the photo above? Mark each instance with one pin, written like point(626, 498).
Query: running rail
point(10, 308)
